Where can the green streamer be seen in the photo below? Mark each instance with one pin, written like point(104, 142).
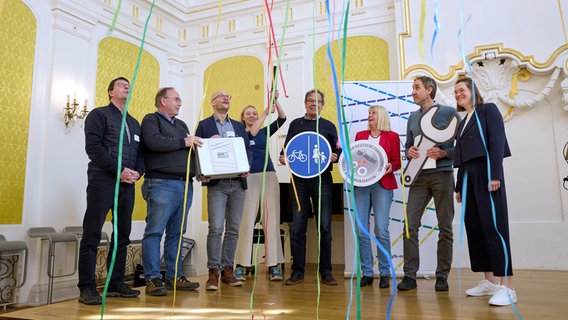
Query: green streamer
point(119, 165)
point(115, 17)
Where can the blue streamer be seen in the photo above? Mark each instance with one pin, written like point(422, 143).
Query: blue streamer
point(366, 232)
point(493, 214)
point(436, 30)
point(468, 62)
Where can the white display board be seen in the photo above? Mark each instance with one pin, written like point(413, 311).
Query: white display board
point(396, 96)
point(220, 158)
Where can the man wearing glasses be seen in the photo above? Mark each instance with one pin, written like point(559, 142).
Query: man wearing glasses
point(225, 197)
point(102, 141)
point(167, 141)
point(309, 191)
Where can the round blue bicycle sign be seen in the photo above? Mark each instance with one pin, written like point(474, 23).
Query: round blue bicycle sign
point(306, 157)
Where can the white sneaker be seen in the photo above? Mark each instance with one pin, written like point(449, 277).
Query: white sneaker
point(484, 288)
point(503, 297)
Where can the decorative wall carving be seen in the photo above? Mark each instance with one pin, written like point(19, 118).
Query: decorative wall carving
point(497, 72)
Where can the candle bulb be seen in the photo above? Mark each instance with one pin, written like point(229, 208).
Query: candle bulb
point(85, 103)
point(68, 99)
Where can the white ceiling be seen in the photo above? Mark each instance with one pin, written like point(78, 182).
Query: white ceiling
point(189, 6)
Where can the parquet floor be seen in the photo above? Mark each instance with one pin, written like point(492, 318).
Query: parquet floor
point(542, 295)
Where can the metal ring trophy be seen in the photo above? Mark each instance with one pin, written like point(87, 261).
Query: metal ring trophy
point(369, 163)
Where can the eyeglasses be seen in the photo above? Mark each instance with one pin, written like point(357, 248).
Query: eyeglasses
point(176, 99)
point(223, 96)
point(122, 84)
point(314, 101)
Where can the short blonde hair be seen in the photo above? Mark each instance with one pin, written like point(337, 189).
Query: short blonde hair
point(383, 122)
point(244, 110)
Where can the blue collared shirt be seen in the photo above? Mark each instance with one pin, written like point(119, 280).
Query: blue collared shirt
point(225, 129)
point(172, 120)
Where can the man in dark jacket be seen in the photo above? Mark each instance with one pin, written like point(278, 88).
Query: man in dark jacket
point(167, 184)
point(102, 141)
point(309, 190)
point(225, 197)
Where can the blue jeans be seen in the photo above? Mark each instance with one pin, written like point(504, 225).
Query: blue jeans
point(164, 199)
point(308, 193)
point(377, 197)
point(225, 201)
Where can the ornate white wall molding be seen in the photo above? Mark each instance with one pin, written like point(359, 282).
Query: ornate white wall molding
point(497, 71)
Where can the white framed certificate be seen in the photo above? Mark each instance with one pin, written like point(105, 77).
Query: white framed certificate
point(221, 158)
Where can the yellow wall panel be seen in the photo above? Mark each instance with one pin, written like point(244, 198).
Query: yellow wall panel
point(366, 59)
point(243, 78)
point(17, 45)
point(117, 58)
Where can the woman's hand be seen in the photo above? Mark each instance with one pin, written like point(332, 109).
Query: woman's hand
point(494, 185)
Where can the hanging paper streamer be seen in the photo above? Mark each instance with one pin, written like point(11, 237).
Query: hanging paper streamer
point(562, 19)
point(273, 40)
point(115, 17)
point(421, 32)
point(265, 214)
point(483, 139)
point(436, 30)
point(119, 164)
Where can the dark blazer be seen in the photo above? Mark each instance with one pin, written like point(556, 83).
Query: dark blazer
point(470, 146)
point(207, 128)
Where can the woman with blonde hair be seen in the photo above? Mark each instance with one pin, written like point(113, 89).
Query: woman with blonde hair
point(271, 207)
point(378, 196)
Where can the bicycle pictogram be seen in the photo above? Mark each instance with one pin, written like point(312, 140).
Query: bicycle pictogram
point(297, 155)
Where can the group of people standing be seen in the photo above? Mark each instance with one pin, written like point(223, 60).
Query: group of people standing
point(160, 147)
point(478, 150)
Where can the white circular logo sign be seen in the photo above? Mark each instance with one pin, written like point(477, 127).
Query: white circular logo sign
point(369, 161)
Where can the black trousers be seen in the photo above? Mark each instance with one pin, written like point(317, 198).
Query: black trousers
point(487, 236)
point(100, 199)
point(308, 193)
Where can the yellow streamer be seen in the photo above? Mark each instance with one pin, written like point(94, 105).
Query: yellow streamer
point(421, 33)
point(187, 180)
point(562, 20)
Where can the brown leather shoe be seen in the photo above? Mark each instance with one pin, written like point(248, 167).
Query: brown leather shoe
point(182, 283)
point(155, 287)
point(213, 281)
point(228, 277)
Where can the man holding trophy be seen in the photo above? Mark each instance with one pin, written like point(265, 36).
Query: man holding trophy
point(225, 192)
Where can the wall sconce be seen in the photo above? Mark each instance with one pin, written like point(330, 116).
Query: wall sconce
point(71, 112)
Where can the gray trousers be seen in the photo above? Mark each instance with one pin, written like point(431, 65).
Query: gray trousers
point(440, 186)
